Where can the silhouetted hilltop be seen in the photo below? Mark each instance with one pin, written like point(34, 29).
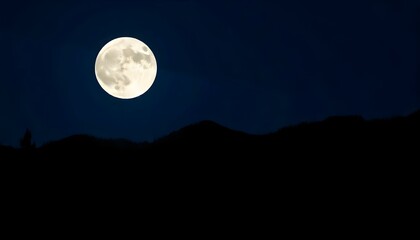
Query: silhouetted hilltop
point(337, 136)
point(341, 158)
point(415, 116)
point(204, 133)
point(352, 137)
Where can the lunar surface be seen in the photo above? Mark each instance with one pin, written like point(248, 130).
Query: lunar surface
point(125, 68)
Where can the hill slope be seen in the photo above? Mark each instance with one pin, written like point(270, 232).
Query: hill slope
point(343, 136)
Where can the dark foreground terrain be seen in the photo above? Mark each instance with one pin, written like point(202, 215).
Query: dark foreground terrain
point(336, 138)
point(342, 175)
point(338, 145)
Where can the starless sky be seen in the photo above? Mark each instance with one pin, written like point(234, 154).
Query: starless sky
point(254, 66)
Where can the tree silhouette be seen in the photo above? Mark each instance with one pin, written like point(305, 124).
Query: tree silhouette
point(26, 140)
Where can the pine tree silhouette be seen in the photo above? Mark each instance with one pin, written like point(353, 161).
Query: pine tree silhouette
point(26, 140)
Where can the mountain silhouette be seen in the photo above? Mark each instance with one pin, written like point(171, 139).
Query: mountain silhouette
point(204, 135)
point(349, 134)
point(204, 132)
point(343, 166)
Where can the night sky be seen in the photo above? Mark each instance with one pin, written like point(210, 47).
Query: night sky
point(254, 66)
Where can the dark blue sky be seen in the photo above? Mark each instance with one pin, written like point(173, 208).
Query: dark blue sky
point(253, 66)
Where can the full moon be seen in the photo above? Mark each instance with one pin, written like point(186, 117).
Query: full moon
point(125, 68)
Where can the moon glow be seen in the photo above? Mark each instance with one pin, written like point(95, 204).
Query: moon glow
point(125, 68)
